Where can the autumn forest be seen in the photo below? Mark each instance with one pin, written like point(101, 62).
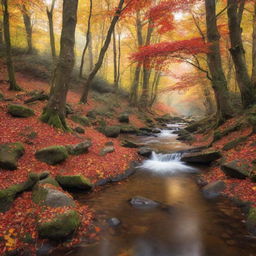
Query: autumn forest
point(128, 127)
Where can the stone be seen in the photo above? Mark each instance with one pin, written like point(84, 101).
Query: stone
point(49, 180)
point(214, 189)
point(10, 154)
point(144, 151)
point(113, 222)
point(74, 182)
point(234, 143)
point(8, 195)
point(143, 203)
point(184, 135)
point(40, 96)
point(79, 130)
point(164, 118)
point(44, 175)
point(128, 129)
point(80, 148)
point(20, 111)
point(112, 131)
point(130, 144)
point(82, 120)
point(59, 227)
point(52, 155)
point(238, 169)
point(51, 196)
point(123, 118)
point(106, 150)
point(92, 114)
point(204, 157)
point(251, 221)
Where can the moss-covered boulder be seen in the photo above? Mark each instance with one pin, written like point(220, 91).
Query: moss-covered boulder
point(74, 182)
point(52, 155)
point(79, 130)
point(49, 195)
point(8, 195)
point(128, 129)
point(232, 144)
point(124, 118)
point(214, 189)
point(20, 111)
point(204, 157)
point(106, 150)
point(82, 120)
point(130, 144)
point(92, 114)
point(184, 135)
point(251, 221)
point(49, 180)
point(80, 148)
point(164, 118)
point(59, 227)
point(238, 169)
point(9, 155)
point(112, 131)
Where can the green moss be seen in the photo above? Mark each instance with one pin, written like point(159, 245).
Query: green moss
point(82, 120)
point(251, 220)
point(39, 194)
point(52, 155)
point(20, 111)
point(60, 227)
point(112, 131)
point(49, 180)
point(74, 181)
point(234, 143)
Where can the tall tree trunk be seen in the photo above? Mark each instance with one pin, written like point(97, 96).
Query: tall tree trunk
point(55, 111)
point(119, 60)
point(154, 88)
point(218, 79)
point(88, 39)
point(146, 72)
point(90, 52)
point(28, 28)
point(102, 53)
point(11, 74)
point(253, 78)
point(238, 53)
point(115, 59)
point(1, 35)
point(135, 83)
point(51, 29)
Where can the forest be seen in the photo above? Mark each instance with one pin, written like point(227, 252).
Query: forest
point(128, 127)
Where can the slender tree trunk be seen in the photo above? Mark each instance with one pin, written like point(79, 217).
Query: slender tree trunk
point(102, 53)
point(10, 68)
point(90, 52)
point(28, 28)
point(88, 39)
point(238, 53)
point(1, 35)
point(154, 90)
point(51, 29)
point(115, 59)
point(136, 80)
point(146, 72)
point(219, 83)
point(55, 111)
point(119, 60)
point(253, 78)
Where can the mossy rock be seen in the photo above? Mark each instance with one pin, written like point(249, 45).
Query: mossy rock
point(232, 144)
point(8, 195)
point(164, 118)
point(20, 111)
point(49, 180)
point(128, 129)
point(112, 131)
point(251, 221)
point(51, 197)
point(9, 155)
point(60, 227)
point(123, 118)
point(80, 148)
point(79, 130)
point(82, 120)
point(238, 169)
point(92, 114)
point(74, 182)
point(52, 155)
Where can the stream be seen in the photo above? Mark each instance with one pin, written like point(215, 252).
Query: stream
point(185, 224)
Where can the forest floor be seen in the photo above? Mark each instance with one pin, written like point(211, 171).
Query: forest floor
point(18, 226)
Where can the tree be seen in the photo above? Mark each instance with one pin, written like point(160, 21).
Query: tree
point(88, 41)
point(102, 53)
point(235, 13)
point(218, 79)
point(55, 111)
point(253, 78)
point(10, 68)
point(28, 27)
point(49, 12)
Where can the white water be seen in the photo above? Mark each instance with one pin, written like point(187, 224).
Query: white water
point(166, 163)
point(166, 133)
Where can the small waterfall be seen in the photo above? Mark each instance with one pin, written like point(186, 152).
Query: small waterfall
point(166, 133)
point(166, 163)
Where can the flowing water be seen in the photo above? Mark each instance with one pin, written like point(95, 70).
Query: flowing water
point(185, 224)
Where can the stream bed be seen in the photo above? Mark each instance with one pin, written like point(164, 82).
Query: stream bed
point(185, 224)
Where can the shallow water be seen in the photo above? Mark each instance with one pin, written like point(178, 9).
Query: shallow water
point(184, 225)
